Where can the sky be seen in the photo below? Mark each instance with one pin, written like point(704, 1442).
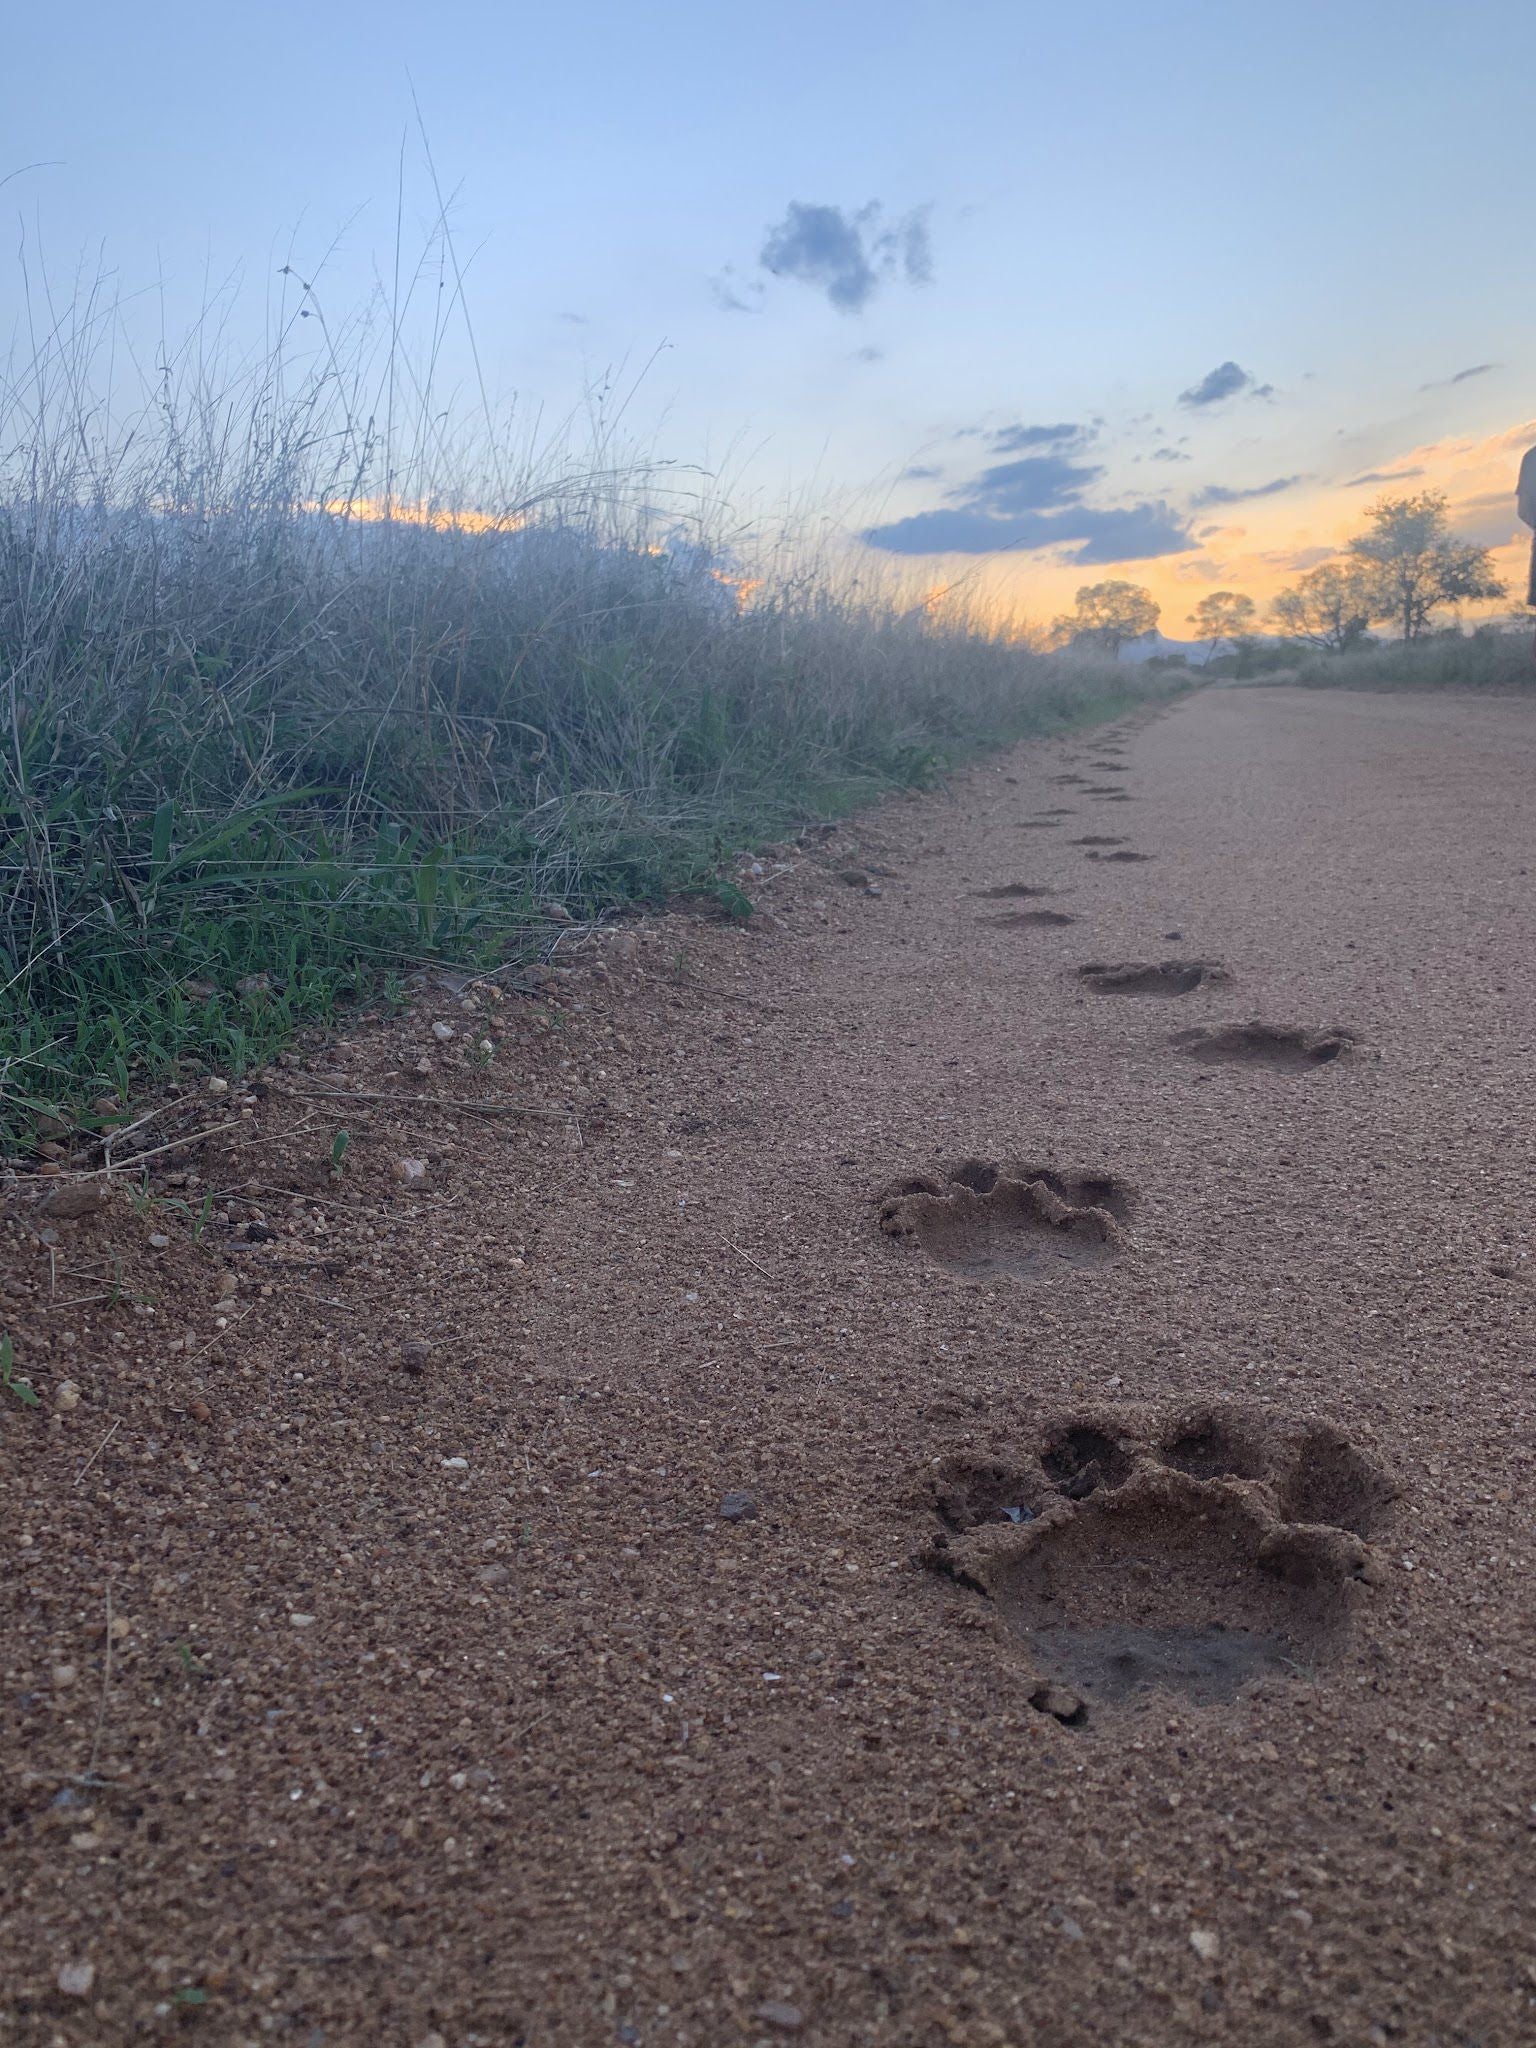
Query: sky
point(1013, 296)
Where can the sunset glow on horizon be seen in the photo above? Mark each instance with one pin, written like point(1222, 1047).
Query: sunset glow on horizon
point(1270, 542)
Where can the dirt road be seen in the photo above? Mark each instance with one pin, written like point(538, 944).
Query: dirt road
point(1127, 1635)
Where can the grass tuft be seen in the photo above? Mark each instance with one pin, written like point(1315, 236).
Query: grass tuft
point(280, 724)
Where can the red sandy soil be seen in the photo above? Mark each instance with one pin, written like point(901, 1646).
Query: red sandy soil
point(379, 1666)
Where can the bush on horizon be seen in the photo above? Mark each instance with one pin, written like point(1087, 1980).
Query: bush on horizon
point(1491, 658)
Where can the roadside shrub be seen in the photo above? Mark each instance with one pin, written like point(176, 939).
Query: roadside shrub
point(1491, 658)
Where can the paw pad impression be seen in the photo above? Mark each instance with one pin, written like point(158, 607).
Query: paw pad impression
point(1134, 1552)
point(982, 1217)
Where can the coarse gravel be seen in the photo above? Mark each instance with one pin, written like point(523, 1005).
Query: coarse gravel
point(587, 1571)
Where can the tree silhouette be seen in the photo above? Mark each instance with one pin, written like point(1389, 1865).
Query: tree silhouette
point(1331, 607)
point(1223, 615)
point(1413, 564)
point(1107, 616)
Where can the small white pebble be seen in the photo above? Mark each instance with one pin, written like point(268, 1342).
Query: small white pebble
point(443, 1032)
point(302, 1620)
point(76, 1979)
point(217, 1085)
point(66, 1395)
point(158, 1240)
point(455, 1464)
point(412, 1172)
point(1206, 1945)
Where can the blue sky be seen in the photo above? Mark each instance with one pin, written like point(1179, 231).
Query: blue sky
point(1107, 204)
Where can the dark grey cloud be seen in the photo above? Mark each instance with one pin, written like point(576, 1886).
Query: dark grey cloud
point(1064, 434)
point(951, 533)
point(1227, 380)
point(1035, 483)
point(847, 255)
point(1170, 455)
point(1461, 377)
point(920, 472)
point(1380, 476)
point(1036, 502)
point(1131, 533)
point(1221, 494)
point(869, 355)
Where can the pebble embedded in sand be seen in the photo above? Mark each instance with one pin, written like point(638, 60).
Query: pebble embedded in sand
point(778, 2012)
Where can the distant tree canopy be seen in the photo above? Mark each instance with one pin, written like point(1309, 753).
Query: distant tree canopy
point(1331, 607)
point(1224, 615)
point(1399, 572)
point(1414, 565)
point(1107, 615)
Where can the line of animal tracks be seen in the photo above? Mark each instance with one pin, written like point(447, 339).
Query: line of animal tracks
point(966, 1478)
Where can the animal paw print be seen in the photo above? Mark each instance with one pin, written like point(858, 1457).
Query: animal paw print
point(1135, 1552)
point(1289, 1049)
point(1151, 977)
point(984, 1218)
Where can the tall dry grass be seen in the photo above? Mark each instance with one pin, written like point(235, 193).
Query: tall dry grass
point(299, 688)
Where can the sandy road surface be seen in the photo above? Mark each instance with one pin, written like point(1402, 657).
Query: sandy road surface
point(445, 1707)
